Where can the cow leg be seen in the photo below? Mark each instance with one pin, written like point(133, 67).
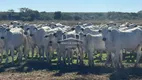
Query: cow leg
point(71, 56)
point(85, 55)
point(33, 52)
point(117, 56)
point(7, 51)
point(90, 54)
point(59, 56)
point(64, 56)
point(108, 58)
point(37, 52)
point(40, 52)
point(43, 53)
point(113, 59)
point(26, 53)
point(47, 54)
point(12, 54)
point(121, 59)
point(50, 52)
point(77, 56)
point(89, 57)
point(138, 55)
point(68, 56)
point(1, 56)
point(101, 53)
point(81, 55)
point(20, 55)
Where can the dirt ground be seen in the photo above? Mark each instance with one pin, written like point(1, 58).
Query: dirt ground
point(39, 70)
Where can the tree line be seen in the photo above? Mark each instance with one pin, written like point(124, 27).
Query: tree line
point(26, 14)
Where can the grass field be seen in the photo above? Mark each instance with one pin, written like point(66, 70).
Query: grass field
point(35, 69)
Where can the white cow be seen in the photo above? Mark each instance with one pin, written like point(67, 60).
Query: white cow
point(116, 40)
point(93, 32)
point(2, 44)
point(14, 39)
point(48, 42)
point(14, 24)
point(78, 28)
point(36, 35)
point(92, 43)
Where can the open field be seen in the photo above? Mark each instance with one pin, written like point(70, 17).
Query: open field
point(36, 69)
point(70, 23)
point(40, 70)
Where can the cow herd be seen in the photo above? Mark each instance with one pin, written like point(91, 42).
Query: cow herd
point(80, 40)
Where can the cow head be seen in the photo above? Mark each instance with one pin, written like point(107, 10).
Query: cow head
point(59, 34)
point(77, 36)
point(100, 31)
point(49, 38)
point(11, 23)
point(79, 28)
point(30, 30)
point(107, 34)
point(72, 28)
point(82, 36)
point(3, 32)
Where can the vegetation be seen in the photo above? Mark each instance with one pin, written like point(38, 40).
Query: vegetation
point(26, 14)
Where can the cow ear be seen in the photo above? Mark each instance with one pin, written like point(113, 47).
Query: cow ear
point(7, 29)
point(135, 25)
point(84, 35)
point(109, 30)
point(72, 28)
point(25, 33)
point(35, 29)
point(100, 31)
point(7, 25)
point(77, 36)
point(18, 23)
point(63, 36)
point(82, 29)
point(22, 27)
point(11, 23)
point(55, 34)
point(58, 42)
point(46, 36)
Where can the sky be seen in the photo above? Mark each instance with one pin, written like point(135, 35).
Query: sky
point(73, 5)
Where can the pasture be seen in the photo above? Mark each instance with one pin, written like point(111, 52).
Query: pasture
point(38, 69)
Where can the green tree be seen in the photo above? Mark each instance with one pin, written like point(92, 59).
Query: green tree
point(10, 14)
point(77, 17)
point(67, 16)
point(57, 15)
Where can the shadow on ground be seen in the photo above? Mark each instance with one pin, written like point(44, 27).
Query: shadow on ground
point(120, 74)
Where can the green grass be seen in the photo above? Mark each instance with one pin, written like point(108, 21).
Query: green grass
point(96, 58)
